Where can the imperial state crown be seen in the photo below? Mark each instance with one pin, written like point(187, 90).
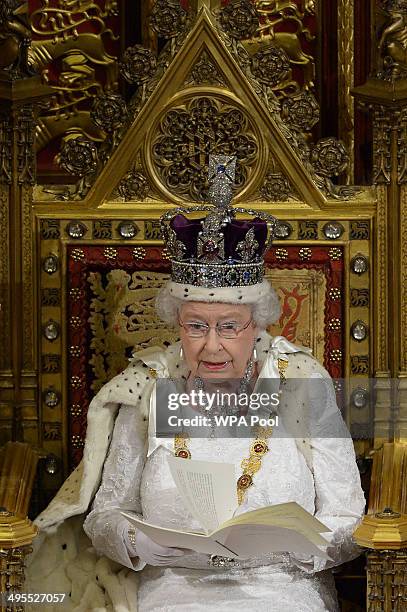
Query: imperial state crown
point(218, 250)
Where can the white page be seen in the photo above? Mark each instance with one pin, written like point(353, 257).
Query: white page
point(252, 540)
point(178, 539)
point(207, 488)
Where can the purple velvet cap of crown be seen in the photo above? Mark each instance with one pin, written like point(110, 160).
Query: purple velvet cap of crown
point(187, 231)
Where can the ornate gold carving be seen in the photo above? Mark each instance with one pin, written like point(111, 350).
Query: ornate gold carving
point(138, 64)
point(152, 230)
point(25, 144)
point(5, 319)
point(61, 38)
point(128, 301)
point(381, 145)
point(239, 19)
point(359, 364)
point(49, 229)
point(51, 364)
point(308, 230)
point(102, 229)
point(51, 431)
point(385, 529)
point(381, 281)
point(16, 536)
point(276, 188)
point(277, 13)
point(168, 18)
point(187, 134)
point(392, 43)
point(403, 283)
point(387, 580)
point(402, 148)
point(133, 186)
point(5, 149)
point(359, 230)
point(50, 296)
point(204, 72)
point(359, 298)
point(346, 79)
point(15, 38)
point(300, 111)
point(79, 157)
point(63, 24)
point(29, 320)
point(329, 157)
point(271, 65)
point(109, 113)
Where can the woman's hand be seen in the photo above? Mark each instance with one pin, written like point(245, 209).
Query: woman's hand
point(152, 553)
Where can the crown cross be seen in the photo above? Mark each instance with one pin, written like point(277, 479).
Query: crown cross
point(221, 175)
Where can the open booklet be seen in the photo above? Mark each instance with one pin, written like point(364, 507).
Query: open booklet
point(209, 492)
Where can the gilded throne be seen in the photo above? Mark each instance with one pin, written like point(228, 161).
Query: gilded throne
point(90, 260)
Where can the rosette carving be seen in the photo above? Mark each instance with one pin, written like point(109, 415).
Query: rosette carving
point(168, 18)
point(109, 112)
point(329, 157)
point(138, 64)
point(301, 111)
point(271, 65)
point(79, 156)
point(239, 19)
point(204, 71)
point(276, 188)
point(133, 186)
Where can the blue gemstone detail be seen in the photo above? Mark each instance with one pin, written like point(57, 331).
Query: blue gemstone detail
point(220, 168)
point(246, 275)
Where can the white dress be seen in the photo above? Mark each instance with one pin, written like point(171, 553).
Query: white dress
point(136, 477)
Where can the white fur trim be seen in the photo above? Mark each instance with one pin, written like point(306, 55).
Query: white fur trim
point(230, 295)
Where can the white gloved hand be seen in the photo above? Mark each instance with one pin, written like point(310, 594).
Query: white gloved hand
point(152, 553)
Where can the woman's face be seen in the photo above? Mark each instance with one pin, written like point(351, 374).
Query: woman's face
point(212, 356)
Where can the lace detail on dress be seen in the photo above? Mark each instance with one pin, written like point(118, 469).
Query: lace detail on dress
point(120, 488)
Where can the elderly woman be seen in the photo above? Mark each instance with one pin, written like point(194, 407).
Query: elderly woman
point(222, 305)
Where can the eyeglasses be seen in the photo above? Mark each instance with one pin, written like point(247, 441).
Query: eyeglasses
point(229, 330)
